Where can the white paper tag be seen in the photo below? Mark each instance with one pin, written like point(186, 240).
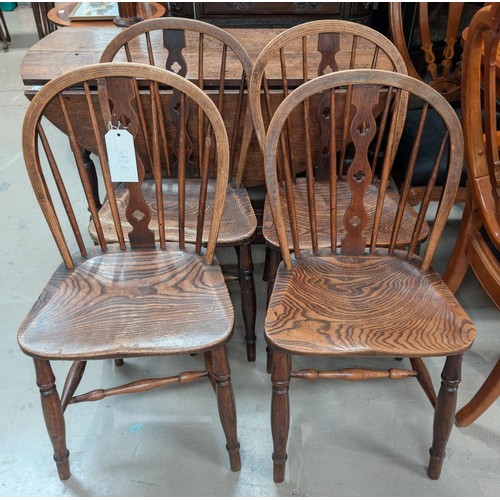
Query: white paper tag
point(121, 156)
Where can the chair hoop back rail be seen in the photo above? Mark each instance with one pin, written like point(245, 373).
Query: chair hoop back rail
point(146, 297)
point(357, 298)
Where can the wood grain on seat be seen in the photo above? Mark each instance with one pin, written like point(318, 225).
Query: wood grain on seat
point(238, 223)
point(322, 197)
point(373, 305)
point(84, 313)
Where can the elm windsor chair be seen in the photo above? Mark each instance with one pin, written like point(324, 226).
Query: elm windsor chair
point(478, 241)
point(339, 45)
point(431, 51)
point(137, 297)
point(211, 57)
point(357, 299)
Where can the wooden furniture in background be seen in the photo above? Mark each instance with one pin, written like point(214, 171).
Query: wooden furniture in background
point(59, 14)
point(478, 241)
point(302, 53)
point(431, 51)
point(272, 14)
point(179, 36)
point(43, 25)
point(355, 298)
point(137, 297)
point(4, 32)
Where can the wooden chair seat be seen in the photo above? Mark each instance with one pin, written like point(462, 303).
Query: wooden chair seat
point(396, 310)
point(238, 219)
point(156, 303)
point(322, 198)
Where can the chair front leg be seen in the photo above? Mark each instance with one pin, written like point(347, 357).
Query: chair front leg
point(273, 259)
point(53, 414)
point(444, 414)
point(248, 297)
point(226, 405)
point(280, 412)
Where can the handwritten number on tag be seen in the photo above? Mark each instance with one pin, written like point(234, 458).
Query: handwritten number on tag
point(121, 156)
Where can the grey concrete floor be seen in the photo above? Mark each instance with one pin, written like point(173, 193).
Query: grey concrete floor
point(365, 438)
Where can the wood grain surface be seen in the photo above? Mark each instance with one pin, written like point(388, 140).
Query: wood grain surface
point(322, 197)
point(238, 219)
point(375, 305)
point(122, 304)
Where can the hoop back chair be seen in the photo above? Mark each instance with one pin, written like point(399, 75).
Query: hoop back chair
point(140, 296)
point(218, 64)
point(432, 53)
point(355, 298)
point(301, 53)
point(478, 241)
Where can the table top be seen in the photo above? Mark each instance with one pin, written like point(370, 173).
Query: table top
point(59, 14)
point(67, 49)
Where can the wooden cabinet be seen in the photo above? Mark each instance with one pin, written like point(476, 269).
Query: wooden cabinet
point(271, 14)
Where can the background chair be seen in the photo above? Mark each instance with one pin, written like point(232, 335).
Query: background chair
point(428, 37)
point(4, 32)
point(356, 298)
point(43, 25)
point(302, 53)
point(218, 54)
point(136, 297)
point(478, 241)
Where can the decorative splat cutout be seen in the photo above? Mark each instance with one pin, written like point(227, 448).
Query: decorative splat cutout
point(359, 175)
point(175, 42)
point(328, 46)
point(121, 93)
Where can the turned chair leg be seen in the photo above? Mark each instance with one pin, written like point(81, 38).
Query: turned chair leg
point(53, 414)
point(444, 413)
point(273, 259)
point(226, 405)
point(487, 394)
point(280, 412)
point(248, 297)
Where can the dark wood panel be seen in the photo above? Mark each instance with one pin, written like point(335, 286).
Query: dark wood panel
point(271, 14)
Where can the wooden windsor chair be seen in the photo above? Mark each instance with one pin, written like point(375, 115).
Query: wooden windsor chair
point(478, 241)
point(432, 52)
point(356, 298)
point(219, 65)
point(301, 53)
point(140, 296)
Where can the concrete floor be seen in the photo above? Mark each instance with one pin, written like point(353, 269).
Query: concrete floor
point(367, 438)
